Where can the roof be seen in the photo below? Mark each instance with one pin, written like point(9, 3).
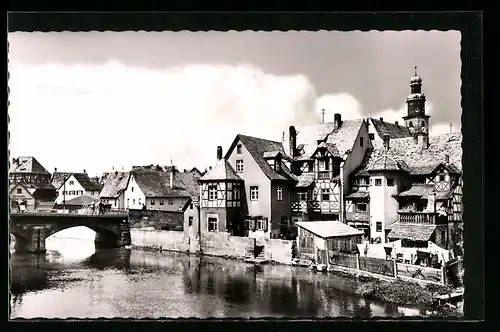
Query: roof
point(14, 185)
point(387, 163)
point(421, 161)
point(27, 164)
point(221, 171)
point(305, 180)
point(386, 128)
point(358, 194)
point(418, 190)
point(157, 183)
point(308, 136)
point(414, 232)
point(330, 147)
point(58, 178)
point(82, 200)
point(256, 147)
point(114, 184)
point(41, 186)
point(86, 182)
point(327, 229)
point(440, 195)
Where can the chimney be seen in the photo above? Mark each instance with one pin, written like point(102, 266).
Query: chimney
point(292, 139)
point(337, 120)
point(219, 152)
point(171, 179)
point(84, 171)
point(446, 159)
point(397, 124)
point(209, 168)
point(113, 168)
point(116, 172)
point(381, 119)
point(386, 139)
point(277, 163)
point(415, 139)
point(55, 169)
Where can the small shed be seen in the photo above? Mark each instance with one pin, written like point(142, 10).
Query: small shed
point(316, 238)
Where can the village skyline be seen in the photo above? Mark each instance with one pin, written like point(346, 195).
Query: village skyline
point(151, 105)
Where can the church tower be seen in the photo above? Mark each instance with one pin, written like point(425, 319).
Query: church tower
point(416, 120)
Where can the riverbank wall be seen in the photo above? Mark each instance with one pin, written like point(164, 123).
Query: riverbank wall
point(213, 244)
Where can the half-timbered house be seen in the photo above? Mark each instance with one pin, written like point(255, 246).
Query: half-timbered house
point(34, 177)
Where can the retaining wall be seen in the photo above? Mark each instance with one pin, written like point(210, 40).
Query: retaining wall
point(168, 240)
point(160, 220)
point(223, 244)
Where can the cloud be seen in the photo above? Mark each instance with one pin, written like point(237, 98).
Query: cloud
point(98, 117)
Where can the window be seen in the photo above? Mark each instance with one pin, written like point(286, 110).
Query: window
point(362, 182)
point(190, 221)
point(379, 226)
point(310, 165)
point(361, 141)
point(361, 207)
point(371, 136)
point(132, 189)
point(279, 193)
point(423, 124)
point(390, 182)
point(170, 202)
point(72, 192)
point(212, 192)
point(213, 225)
point(162, 202)
point(115, 202)
point(139, 201)
point(191, 206)
point(153, 202)
point(133, 201)
point(128, 201)
point(239, 166)
point(71, 183)
point(325, 194)
point(302, 196)
point(238, 149)
point(411, 124)
point(441, 177)
point(254, 193)
point(236, 193)
point(323, 165)
point(260, 224)
point(19, 191)
point(378, 182)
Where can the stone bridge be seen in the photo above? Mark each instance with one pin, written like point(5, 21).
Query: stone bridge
point(31, 229)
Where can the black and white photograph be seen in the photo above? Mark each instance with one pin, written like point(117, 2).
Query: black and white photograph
point(235, 174)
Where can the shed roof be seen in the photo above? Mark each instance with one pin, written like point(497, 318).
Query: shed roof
point(414, 232)
point(358, 194)
point(81, 200)
point(417, 190)
point(221, 171)
point(328, 229)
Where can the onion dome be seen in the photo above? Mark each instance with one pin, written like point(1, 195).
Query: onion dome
point(416, 79)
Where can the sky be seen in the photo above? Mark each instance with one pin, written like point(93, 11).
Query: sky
point(109, 100)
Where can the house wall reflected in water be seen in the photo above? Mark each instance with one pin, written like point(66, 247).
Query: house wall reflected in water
point(129, 283)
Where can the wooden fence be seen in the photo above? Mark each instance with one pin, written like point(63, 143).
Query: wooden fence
point(420, 273)
point(388, 268)
point(344, 260)
point(377, 265)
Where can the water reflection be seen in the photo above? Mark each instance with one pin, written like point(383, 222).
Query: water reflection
point(127, 283)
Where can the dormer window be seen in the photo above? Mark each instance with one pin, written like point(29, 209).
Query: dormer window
point(238, 149)
point(361, 141)
point(371, 136)
point(441, 178)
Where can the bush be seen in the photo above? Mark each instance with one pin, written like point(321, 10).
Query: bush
point(439, 289)
point(397, 292)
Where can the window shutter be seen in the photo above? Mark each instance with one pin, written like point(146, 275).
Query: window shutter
point(252, 224)
point(266, 224)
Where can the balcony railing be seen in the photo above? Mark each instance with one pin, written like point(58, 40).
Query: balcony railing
point(417, 217)
point(315, 206)
point(358, 216)
point(323, 175)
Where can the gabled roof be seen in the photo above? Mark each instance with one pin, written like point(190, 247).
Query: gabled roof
point(58, 178)
point(328, 229)
point(310, 136)
point(196, 171)
point(27, 164)
point(421, 161)
point(256, 147)
point(330, 147)
point(387, 163)
point(14, 185)
point(86, 182)
point(220, 172)
point(386, 128)
point(157, 183)
point(114, 184)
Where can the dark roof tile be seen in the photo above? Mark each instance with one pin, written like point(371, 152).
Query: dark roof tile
point(27, 164)
point(393, 130)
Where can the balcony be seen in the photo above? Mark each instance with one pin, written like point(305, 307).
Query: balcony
point(358, 216)
point(417, 217)
point(315, 206)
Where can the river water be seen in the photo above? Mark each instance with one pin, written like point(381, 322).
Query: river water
point(78, 281)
